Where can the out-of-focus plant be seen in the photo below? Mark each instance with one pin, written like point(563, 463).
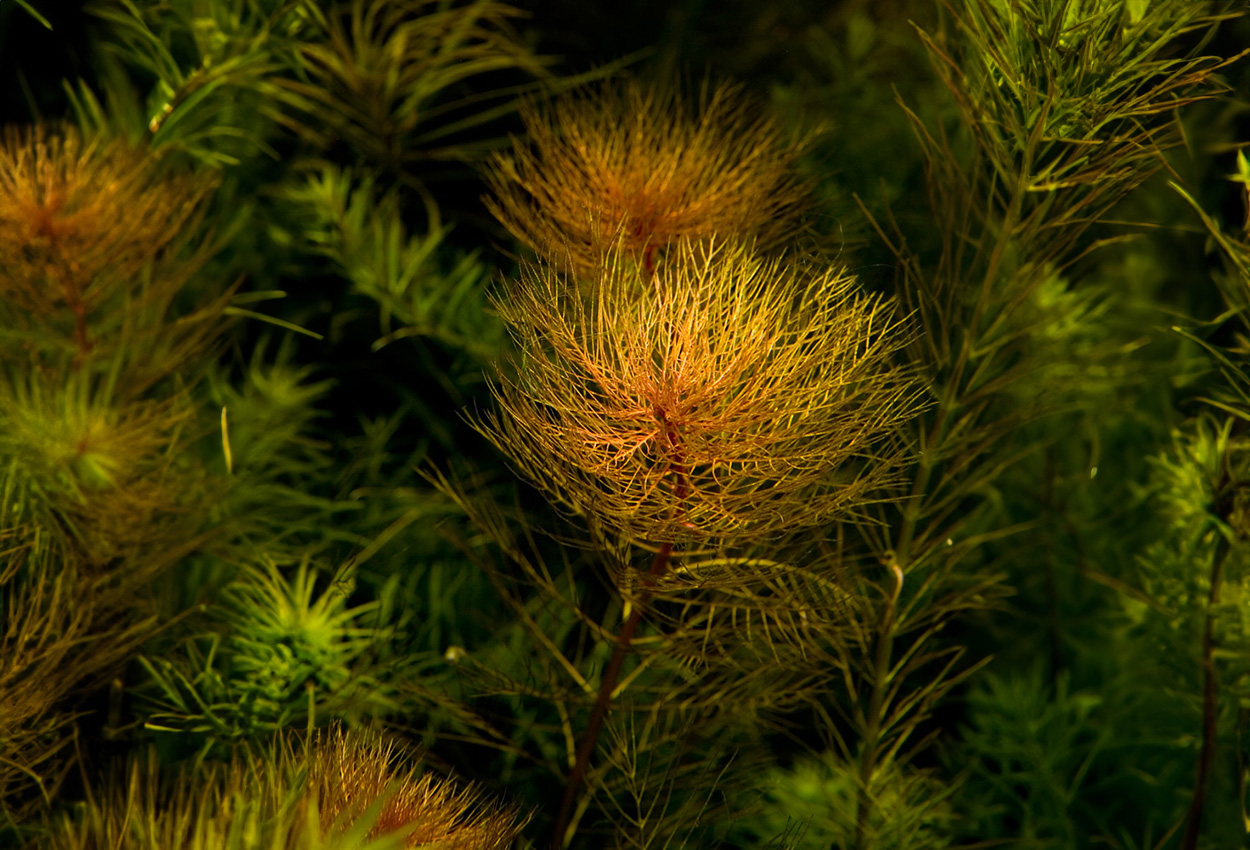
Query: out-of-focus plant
point(82, 220)
point(634, 168)
point(212, 64)
point(812, 804)
point(398, 83)
point(279, 654)
point(1035, 756)
point(65, 628)
point(34, 13)
point(377, 75)
point(1194, 576)
point(98, 255)
point(334, 790)
point(415, 280)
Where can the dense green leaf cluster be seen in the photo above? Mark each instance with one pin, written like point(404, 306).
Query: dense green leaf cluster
point(867, 441)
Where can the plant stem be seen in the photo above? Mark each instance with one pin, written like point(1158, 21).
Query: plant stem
point(931, 448)
point(885, 634)
point(876, 706)
point(1209, 706)
point(611, 675)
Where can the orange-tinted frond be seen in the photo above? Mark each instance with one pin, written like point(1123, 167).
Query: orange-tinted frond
point(637, 166)
point(78, 217)
point(350, 771)
point(724, 396)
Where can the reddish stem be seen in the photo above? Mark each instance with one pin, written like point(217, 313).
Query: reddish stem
point(624, 639)
point(611, 674)
point(1210, 707)
point(80, 332)
point(648, 259)
point(73, 299)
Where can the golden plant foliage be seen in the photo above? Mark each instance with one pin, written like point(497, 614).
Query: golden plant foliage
point(62, 629)
point(79, 220)
point(725, 396)
point(349, 772)
point(103, 474)
point(98, 241)
point(333, 791)
point(636, 165)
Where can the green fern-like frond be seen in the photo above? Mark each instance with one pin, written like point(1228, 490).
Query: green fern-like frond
point(383, 77)
point(418, 282)
point(292, 652)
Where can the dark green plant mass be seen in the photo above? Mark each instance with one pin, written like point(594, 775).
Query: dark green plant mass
point(466, 424)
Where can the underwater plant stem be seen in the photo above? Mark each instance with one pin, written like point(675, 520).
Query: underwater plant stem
point(1206, 757)
point(876, 710)
point(72, 296)
point(880, 671)
point(611, 674)
point(1053, 615)
point(930, 450)
point(924, 470)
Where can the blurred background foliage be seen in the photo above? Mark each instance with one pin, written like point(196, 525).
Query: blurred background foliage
point(246, 281)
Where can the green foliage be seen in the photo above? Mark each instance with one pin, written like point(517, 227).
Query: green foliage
point(279, 655)
point(889, 439)
point(327, 792)
point(374, 76)
point(212, 62)
point(1064, 98)
point(276, 494)
point(414, 279)
point(34, 13)
point(816, 800)
point(1031, 753)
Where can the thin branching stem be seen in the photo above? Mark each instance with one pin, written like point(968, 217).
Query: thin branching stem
point(624, 638)
point(1206, 757)
point(886, 631)
point(611, 674)
point(876, 711)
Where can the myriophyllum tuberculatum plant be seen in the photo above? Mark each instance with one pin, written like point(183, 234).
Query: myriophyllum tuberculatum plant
point(635, 167)
point(710, 401)
point(718, 401)
point(97, 241)
point(334, 790)
point(80, 221)
point(677, 388)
